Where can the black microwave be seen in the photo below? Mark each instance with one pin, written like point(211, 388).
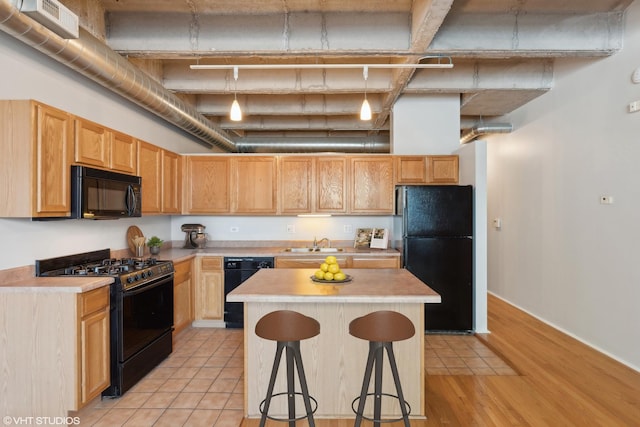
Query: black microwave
point(100, 194)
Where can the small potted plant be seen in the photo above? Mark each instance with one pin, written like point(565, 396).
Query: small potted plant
point(154, 244)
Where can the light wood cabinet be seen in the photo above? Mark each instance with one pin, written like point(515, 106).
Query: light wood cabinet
point(94, 344)
point(411, 170)
point(37, 150)
point(345, 261)
point(372, 186)
point(363, 261)
point(171, 182)
point(124, 153)
point(209, 289)
point(92, 144)
point(207, 185)
point(57, 345)
point(295, 185)
point(254, 183)
point(331, 184)
point(182, 296)
point(99, 146)
point(442, 169)
point(150, 170)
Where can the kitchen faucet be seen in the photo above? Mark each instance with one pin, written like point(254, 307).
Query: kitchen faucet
point(317, 242)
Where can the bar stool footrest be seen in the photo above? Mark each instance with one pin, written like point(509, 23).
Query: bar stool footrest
point(302, 417)
point(389, 420)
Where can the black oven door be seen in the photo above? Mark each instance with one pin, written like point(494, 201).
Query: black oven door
point(146, 313)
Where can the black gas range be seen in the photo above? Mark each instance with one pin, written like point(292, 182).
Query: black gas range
point(141, 299)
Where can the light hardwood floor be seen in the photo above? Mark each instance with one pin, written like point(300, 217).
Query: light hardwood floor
point(562, 382)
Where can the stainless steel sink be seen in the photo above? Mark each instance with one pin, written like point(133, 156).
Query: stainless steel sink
point(313, 250)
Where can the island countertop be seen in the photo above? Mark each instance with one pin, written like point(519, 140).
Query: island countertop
point(366, 285)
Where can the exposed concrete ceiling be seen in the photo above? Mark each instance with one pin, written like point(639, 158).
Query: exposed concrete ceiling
point(503, 53)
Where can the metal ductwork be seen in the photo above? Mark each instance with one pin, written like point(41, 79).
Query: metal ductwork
point(484, 129)
point(314, 145)
point(93, 59)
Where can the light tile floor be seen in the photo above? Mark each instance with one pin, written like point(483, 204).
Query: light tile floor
point(201, 382)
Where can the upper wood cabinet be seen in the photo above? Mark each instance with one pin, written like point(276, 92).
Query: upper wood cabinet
point(254, 183)
point(442, 169)
point(124, 153)
point(96, 145)
point(37, 151)
point(92, 144)
point(411, 170)
point(331, 175)
point(207, 185)
point(295, 184)
point(150, 170)
point(171, 182)
point(372, 185)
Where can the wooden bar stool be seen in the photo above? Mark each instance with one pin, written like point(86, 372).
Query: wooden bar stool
point(381, 328)
point(288, 328)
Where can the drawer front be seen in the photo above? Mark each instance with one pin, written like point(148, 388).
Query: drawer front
point(94, 300)
point(377, 262)
point(211, 263)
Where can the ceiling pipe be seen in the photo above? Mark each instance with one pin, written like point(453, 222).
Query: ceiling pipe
point(484, 129)
point(93, 59)
point(314, 145)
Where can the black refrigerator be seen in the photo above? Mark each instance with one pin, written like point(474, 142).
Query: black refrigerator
point(437, 247)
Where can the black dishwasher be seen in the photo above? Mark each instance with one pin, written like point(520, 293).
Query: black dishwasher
point(236, 271)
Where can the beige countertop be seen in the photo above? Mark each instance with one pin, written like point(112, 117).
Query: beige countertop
point(22, 280)
point(178, 254)
point(367, 285)
point(56, 284)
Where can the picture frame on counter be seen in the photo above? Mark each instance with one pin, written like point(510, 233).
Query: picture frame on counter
point(379, 238)
point(363, 238)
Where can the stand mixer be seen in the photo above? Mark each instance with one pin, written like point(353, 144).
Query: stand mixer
point(195, 237)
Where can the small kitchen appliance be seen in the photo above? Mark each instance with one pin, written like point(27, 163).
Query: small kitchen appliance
point(141, 316)
point(195, 237)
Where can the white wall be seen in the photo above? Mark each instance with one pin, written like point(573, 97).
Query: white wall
point(425, 124)
point(473, 171)
point(560, 254)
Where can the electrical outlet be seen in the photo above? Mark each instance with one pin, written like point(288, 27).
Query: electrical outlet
point(234, 229)
point(634, 106)
point(348, 228)
point(606, 200)
point(291, 228)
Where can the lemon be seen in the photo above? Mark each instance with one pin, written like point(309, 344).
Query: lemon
point(324, 266)
point(339, 276)
point(331, 260)
point(334, 268)
point(319, 274)
point(328, 276)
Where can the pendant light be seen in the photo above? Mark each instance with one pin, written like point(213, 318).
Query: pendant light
point(365, 110)
point(236, 112)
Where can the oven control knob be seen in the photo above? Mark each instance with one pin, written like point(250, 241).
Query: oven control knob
point(150, 273)
point(137, 277)
point(130, 279)
point(143, 274)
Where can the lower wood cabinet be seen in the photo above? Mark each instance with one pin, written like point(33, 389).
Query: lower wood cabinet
point(182, 296)
point(345, 261)
point(57, 345)
point(94, 344)
point(209, 289)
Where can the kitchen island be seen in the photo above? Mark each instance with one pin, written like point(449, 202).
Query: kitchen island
point(334, 361)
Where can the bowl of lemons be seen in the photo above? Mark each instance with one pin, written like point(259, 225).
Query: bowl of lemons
point(330, 272)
